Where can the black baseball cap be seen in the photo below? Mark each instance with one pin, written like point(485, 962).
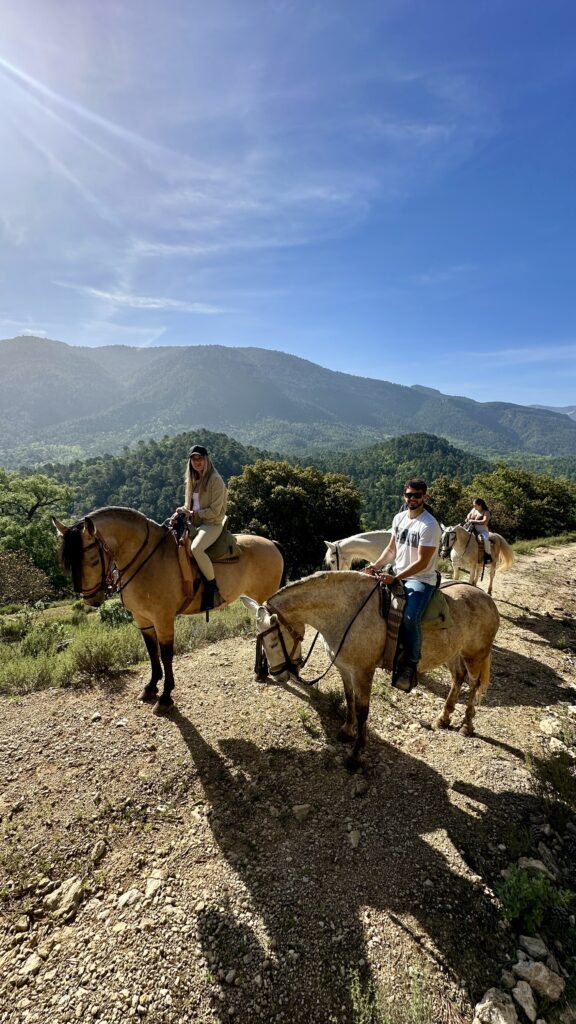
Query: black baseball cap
point(198, 449)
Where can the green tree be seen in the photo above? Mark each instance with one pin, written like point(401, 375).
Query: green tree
point(525, 505)
point(26, 506)
point(299, 507)
point(449, 500)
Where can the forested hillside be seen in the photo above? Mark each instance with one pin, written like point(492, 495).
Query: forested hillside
point(150, 476)
point(69, 400)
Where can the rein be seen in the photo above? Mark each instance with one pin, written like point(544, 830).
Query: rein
point(298, 638)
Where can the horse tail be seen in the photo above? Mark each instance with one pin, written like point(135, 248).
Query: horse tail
point(281, 552)
point(505, 555)
point(483, 679)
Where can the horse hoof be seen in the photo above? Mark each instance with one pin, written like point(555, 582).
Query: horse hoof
point(442, 723)
point(352, 763)
point(345, 737)
point(164, 708)
point(466, 730)
point(148, 696)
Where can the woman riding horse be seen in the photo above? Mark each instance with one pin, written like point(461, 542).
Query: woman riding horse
point(205, 498)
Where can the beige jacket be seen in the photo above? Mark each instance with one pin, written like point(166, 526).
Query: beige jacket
point(213, 498)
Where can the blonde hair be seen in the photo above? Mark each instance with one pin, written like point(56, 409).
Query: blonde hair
point(194, 481)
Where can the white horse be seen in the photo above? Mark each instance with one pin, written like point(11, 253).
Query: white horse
point(340, 553)
point(462, 547)
point(345, 608)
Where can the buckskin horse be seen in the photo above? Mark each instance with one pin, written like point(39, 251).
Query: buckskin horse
point(344, 607)
point(120, 550)
point(462, 547)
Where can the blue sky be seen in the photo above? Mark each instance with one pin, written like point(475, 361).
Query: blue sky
point(387, 189)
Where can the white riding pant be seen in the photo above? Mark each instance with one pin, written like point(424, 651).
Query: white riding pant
point(207, 534)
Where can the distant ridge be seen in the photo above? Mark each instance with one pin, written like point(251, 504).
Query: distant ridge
point(59, 401)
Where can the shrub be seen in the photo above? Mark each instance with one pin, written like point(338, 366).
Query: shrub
point(21, 579)
point(43, 637)
point(113, 613)
point(526, 901)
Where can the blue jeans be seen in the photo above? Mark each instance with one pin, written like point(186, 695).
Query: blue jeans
point(418, 595)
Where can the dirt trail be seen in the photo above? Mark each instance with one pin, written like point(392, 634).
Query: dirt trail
point(222, 863)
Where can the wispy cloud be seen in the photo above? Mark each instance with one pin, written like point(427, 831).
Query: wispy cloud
point(144, 302)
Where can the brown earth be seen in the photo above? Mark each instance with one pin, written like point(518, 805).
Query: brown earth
point(227, 865)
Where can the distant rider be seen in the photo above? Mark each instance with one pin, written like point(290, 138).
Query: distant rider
point(479, 516)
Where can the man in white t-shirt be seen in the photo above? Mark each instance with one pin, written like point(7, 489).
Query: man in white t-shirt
point(413, 551)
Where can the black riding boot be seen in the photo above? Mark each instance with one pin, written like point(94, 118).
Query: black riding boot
point(212, 597)
point(407, 677)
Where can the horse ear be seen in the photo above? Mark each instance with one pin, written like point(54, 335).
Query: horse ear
point(250, 604)
point(59, 527)
point(89, 526)
point(330, 545)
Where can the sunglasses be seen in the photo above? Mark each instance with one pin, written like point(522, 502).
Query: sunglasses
point(413, 494)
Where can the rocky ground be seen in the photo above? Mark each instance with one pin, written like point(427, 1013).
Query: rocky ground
point(221, 864)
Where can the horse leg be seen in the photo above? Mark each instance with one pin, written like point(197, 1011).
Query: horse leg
point(479, 678)
point(362, 689)
point(491, 579)
point(347, 733)
point(149, 694)
point(165, 702)
point(458, 672)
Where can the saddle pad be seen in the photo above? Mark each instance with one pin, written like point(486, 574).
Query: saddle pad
point(393, 621)
point(437, 614)
point(224, 549)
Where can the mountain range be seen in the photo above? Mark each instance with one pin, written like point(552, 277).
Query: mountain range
point(59, 401)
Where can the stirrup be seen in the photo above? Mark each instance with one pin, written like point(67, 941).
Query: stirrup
point(405, 677)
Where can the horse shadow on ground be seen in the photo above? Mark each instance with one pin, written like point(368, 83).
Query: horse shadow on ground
point(313, 892)
point(516, 681)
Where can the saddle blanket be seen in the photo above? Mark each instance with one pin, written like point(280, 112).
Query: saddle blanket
point(436, 616)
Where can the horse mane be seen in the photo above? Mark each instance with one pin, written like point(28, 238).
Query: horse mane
point(121, 512)
point(71, 554)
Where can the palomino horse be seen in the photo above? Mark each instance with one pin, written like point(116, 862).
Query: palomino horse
point(119, 549)
point(345, 608)
point(341, 553)
point(462, 547)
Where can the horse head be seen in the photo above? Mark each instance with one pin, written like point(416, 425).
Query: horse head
point(85, 556)
point(332, 556)
point(280, 643)
point(447, 541)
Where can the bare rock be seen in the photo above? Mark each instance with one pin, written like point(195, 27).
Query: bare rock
point(544, 981)
point(65, 899)
point(128, 898)
point(534, 946)
point(534, 867)
point(301, 811)
point(31, 966)
point(98, 851)
point(524, 997)
point(495, 1007)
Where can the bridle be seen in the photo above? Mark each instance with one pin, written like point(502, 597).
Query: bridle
point(446, 547)
point(111, 577)
point(337, 553)
point(290, 663)
point(447, 543)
